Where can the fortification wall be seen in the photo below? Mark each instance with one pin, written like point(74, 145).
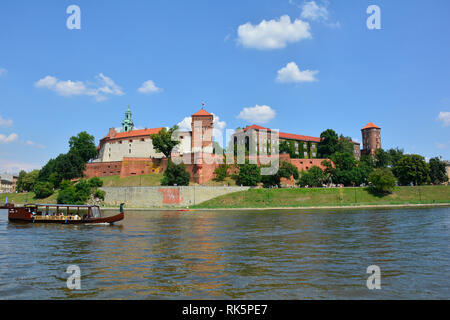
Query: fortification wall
point(164, 197)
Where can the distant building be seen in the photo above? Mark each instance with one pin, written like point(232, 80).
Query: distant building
point(7, 184)
point(305, 146)
point(130, 143)
point(447, 168)
point(371, 135)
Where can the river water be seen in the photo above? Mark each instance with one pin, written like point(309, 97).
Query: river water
point(232, 255)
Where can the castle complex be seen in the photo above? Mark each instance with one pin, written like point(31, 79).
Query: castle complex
point(131, 152)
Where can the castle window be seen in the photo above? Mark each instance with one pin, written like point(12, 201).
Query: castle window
point(129, 151)
point(142, 139)
point(131, 141)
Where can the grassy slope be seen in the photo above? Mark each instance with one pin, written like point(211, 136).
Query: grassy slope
point(21, 198)
point(146, 180)
point(260, 198)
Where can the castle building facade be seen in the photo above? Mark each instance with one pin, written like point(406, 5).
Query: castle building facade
point(305, 146)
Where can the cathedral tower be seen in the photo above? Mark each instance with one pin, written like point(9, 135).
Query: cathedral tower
point(127, 123)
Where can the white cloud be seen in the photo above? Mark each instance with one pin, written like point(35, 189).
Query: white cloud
point(34, 144)
point(219, 126)
point(148, 87)
point(3, 71)
point(441, 145)
point(273, 34)
point(5, 122)
point(16, 167)
point(104, 86)
point(316, 11)
point(445, 118)
point(8, 139)
point(312, 11)
point(291, 74)
point(257, 114)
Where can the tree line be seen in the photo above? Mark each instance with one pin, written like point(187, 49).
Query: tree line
point(65, 172)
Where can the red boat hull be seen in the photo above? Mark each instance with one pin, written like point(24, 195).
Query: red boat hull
point(23, 215)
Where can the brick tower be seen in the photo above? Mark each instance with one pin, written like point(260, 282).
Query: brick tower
point(371, 135)
point(202, 131)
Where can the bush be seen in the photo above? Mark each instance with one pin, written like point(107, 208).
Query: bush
point(221, 172)
point(83, 192)
point(66, 193)
point(382, 180)
point(43, 190)
point(175, 174)
point(95, 182)
point(99, 194)
point(286, 170)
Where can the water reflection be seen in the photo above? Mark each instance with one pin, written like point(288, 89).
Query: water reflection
point(248, 255)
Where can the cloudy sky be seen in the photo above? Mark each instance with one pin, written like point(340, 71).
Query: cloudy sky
point(297, 66)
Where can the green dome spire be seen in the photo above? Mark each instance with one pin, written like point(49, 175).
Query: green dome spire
point(127, 123)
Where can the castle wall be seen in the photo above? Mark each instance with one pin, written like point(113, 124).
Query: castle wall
point(103, 169)
point(139, 147)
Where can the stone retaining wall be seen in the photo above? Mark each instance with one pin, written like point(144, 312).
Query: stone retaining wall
point(160, 197)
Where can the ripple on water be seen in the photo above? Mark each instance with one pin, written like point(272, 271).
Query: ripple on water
point(223, 255)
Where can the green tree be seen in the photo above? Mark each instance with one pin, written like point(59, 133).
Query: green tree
point(83, 191)
point(345, 145)
point(382, 159)
point(84, 145)
point(328, 144)
point(249, 175)
point(26, 181)
point(395, 155)
point(162, 141)
point(66, 194)
point(382, 181)
point(43, 190)
point(286, 170)
point(221, 172)
point(438, 173)
point(314, 177)
point(95, 182)
point(412, 169)
point(175, 174)
point(70, 165)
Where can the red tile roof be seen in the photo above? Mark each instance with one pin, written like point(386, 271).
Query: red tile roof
point(134, 133)
point(291, 136)
point(256, 127)
point(202, 112)
point(370, 125)
point(284, 135)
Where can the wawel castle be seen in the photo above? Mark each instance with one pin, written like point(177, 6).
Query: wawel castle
point(131, 152)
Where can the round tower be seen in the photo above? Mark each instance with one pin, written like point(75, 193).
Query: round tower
point(371, 136)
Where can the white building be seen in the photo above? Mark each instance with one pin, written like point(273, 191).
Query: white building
point(132, 143)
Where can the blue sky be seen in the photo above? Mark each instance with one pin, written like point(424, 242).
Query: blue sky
point(297, 66)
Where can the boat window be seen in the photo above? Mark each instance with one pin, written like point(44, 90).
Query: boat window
point(95, 212)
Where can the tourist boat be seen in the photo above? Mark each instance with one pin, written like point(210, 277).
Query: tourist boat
point(59, 213)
